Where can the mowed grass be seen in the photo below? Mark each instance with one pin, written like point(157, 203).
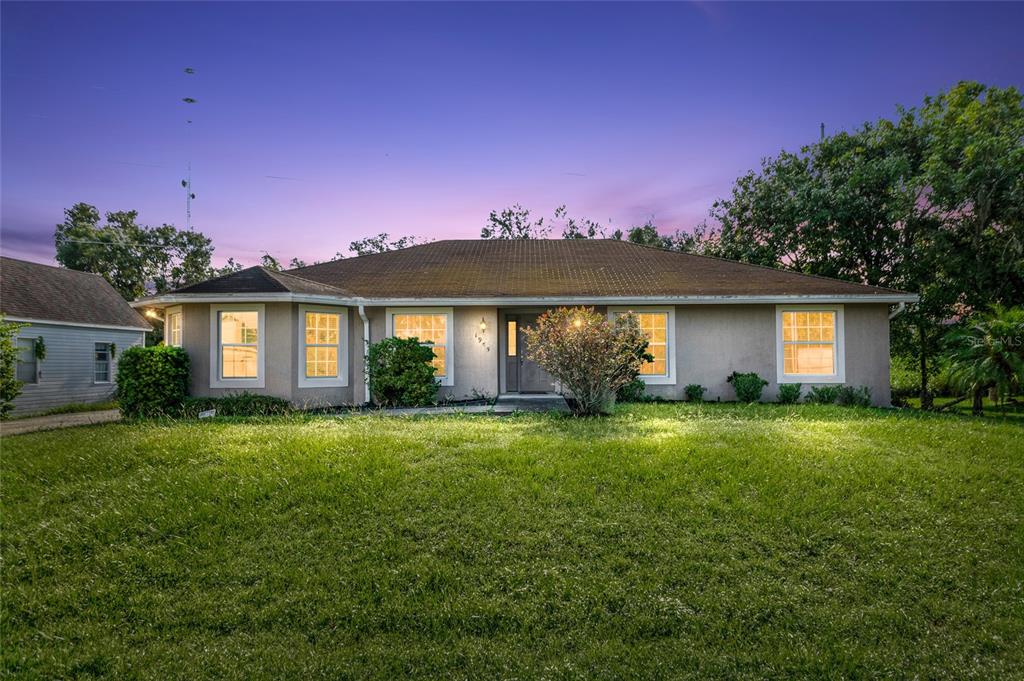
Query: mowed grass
point(711, 541)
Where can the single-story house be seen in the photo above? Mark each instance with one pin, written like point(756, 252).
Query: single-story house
point(78, 321)
point(302, 334)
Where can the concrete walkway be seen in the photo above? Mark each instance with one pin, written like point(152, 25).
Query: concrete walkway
point(82, 418)
point(540, 402)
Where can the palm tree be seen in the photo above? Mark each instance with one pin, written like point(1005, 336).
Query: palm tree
point(989, 354)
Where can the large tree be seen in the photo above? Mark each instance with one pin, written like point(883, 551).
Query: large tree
point(135, 259)
point(974, 171)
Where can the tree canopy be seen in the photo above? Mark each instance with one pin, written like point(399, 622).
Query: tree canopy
point(135, 259)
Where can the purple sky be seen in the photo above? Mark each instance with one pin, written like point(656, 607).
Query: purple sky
point(320, 123)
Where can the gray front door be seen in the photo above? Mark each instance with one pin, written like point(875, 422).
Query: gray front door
point(532, 379)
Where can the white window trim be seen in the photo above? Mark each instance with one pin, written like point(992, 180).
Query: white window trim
point(261, 316)
point(110, 364)
point(840, 345)
point(167, 324)
point(390, 312)
point(670, 338)
point(339, 381)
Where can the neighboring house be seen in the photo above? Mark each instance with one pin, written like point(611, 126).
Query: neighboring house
point(80, 320)
point(302, 334)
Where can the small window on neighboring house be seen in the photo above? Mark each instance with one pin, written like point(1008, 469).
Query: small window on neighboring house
point(27, 367)
point(101, 370)
point(173, 329)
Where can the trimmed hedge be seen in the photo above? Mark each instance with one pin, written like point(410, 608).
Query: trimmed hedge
point(152, 381)
point(237, 404)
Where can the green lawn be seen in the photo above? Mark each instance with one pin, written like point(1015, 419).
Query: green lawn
point(667, 541)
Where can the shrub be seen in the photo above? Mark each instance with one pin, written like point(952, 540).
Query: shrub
point(400, 373)
point(10, 386)
point(237, 404)
point(823, 394)
point(588, 354)
point(789, 393)
point(152, 381)
point(850, 396)
point(634, 391)
point(694, 392)
point(748, 386)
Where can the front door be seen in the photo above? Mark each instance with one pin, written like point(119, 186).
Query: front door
point(524, 374)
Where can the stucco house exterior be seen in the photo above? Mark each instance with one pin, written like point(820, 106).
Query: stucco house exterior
point(302, 334)
point(82, 322)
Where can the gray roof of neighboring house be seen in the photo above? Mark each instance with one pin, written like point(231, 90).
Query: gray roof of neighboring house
point(29, 290)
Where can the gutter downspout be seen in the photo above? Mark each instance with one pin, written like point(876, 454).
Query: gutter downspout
point(366, 352)
point(898, 311)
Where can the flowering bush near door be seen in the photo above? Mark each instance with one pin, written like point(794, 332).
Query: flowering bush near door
point(589, 355)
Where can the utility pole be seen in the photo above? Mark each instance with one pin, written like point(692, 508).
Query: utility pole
point(822, 132)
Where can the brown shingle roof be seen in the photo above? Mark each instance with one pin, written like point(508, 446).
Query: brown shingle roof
point(32, 291)
point(552, 268)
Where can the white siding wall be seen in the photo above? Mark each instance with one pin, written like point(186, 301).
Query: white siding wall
point(66, 375)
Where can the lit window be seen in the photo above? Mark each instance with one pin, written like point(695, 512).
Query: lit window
point(809, 345)
point(512, 340)
point(172, 328)
point(655, 327)
point(27, 368)
point(322, 335)
point(239, 344)
point(101, 367)
point(431, 330)
point(655, 324)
